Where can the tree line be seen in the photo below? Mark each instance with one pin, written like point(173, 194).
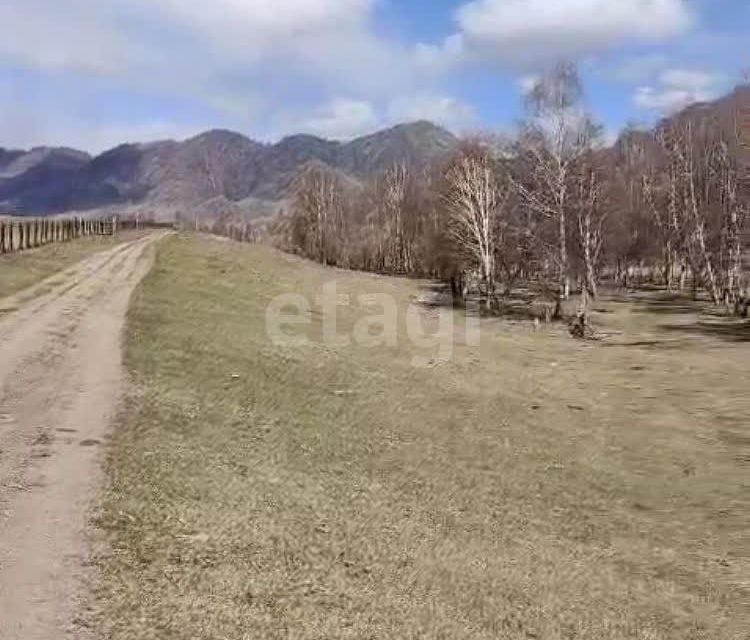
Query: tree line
point(553, 212)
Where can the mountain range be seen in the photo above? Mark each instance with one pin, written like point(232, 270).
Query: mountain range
point(216, 172)
point(220, 173)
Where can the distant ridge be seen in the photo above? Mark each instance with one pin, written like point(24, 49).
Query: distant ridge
point(217, 171)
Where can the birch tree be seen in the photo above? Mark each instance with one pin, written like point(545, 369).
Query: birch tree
point(318, 219)
point(476, 200)
point(555, 137)
point(733, 214)
point(394, 187)
point(663, 196)
point(703, 215)
point(590, 217)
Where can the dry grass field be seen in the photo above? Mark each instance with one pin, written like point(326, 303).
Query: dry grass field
point(536, 487)
point(23, 269)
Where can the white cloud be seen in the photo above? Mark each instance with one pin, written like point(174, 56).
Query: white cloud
point(342, 119)
point(523, 32)
point(689, 79)
point(111, 35)
point(240, 62)
point(270, 20)
point(639, 68)
point(28, 128)
point(346, 118)
point(665, 100)
point(442, 110)
point(100, 138)
point(50, 36)
point(439, 58)
point(219, 52)
point(677, 88)
point(236, 62)
point(527, 83)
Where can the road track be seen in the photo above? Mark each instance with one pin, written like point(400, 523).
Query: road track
point(61, 382)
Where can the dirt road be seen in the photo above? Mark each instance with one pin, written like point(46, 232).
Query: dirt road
point(61, 379)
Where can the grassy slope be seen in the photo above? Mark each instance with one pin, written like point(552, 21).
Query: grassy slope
point(538, 488)
point(23, 269)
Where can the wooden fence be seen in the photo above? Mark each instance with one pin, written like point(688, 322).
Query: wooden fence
point(20, 234)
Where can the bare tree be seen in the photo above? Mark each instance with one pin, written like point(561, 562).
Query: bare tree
point(552, 205)
point(704, 216)
point(556, 136)
point(317, 214)
point(665, 202)
point(394, 191)
point(697, 195)
point(590, 217)
point(629, 233)
point(733, 214)
point(476, 199)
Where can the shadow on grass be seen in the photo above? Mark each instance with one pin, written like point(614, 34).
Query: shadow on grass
point(728, 331)
point(666, 303)
point(669, 344)
point(522, 305)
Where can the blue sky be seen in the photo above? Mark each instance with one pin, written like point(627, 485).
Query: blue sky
point(91, 74)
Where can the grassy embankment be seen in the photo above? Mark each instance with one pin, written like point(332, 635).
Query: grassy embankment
point(536, 488)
